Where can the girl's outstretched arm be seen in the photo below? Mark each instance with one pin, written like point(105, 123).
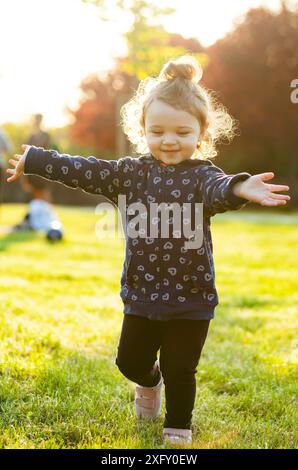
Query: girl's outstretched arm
point(255, 189)
point(108, 178)
point(216, 189)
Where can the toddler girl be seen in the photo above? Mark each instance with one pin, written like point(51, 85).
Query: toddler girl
point(168, 281)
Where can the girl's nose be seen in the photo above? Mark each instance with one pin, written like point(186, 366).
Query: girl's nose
point(169, 140)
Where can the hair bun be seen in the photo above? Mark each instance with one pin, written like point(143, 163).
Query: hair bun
point(184, 67)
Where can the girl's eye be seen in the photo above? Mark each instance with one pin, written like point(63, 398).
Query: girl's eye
point(179, 133)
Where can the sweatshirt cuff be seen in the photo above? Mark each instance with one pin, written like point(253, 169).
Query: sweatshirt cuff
point(234, 200)
point(33, 161)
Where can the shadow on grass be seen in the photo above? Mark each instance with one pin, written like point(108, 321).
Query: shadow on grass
point(16, 237)
point(78, 401)
point(24, 237)
point(252, 324)
point(250, 301)
point(73, 401)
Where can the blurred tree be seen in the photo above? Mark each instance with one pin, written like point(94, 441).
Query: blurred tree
point(252, 67)
point(94, 124)
point(149, 47)
point(97, 120)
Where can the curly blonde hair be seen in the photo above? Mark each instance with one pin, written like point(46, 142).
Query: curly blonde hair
point(178, 86)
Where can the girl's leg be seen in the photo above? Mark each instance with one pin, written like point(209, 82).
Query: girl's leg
point(181, 348)
point(138, 346)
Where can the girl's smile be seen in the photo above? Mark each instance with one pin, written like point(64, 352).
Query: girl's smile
point(172, 134)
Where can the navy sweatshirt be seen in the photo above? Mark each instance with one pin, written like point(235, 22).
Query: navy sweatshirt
point(161, 278)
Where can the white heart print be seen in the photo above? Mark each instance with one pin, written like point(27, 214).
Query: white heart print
point(172, 271)
point(200, 268)
point(77, 165)
point(168, 246)
point(176, 193)
point(141, 268)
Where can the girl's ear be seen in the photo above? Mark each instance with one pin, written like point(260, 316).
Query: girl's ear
point(207, 136)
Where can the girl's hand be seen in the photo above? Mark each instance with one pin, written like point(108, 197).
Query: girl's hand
point(19, 165)
point(255, 190)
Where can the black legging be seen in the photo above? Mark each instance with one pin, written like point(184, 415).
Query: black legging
point(180, 343)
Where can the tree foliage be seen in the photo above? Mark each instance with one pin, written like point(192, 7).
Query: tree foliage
point(149, 47)
point(252, 68)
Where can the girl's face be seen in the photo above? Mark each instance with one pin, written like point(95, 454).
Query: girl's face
point(172, 134)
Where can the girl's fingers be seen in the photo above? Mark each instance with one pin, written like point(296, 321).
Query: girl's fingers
point(13, 162)
point(12, 178)
point(266, 176)
point(278, 187)
point(273, 202)
point(280, 196)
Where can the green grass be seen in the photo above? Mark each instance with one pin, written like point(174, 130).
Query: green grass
point(60, 320)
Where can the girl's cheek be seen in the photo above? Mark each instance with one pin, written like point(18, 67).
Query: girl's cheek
point(154, 142)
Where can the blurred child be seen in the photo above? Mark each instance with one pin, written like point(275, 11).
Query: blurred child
point(40, 214)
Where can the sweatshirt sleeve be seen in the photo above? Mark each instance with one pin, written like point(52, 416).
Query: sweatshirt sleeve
point(216, 189)
point(92, 175)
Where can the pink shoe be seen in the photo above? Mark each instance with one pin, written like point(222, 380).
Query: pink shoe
point(148, 401)
point(177, 436)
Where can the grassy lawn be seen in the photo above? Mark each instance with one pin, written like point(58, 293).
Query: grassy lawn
point(60, 320)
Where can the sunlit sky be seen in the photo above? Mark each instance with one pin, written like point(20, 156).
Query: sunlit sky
point(49, 46)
